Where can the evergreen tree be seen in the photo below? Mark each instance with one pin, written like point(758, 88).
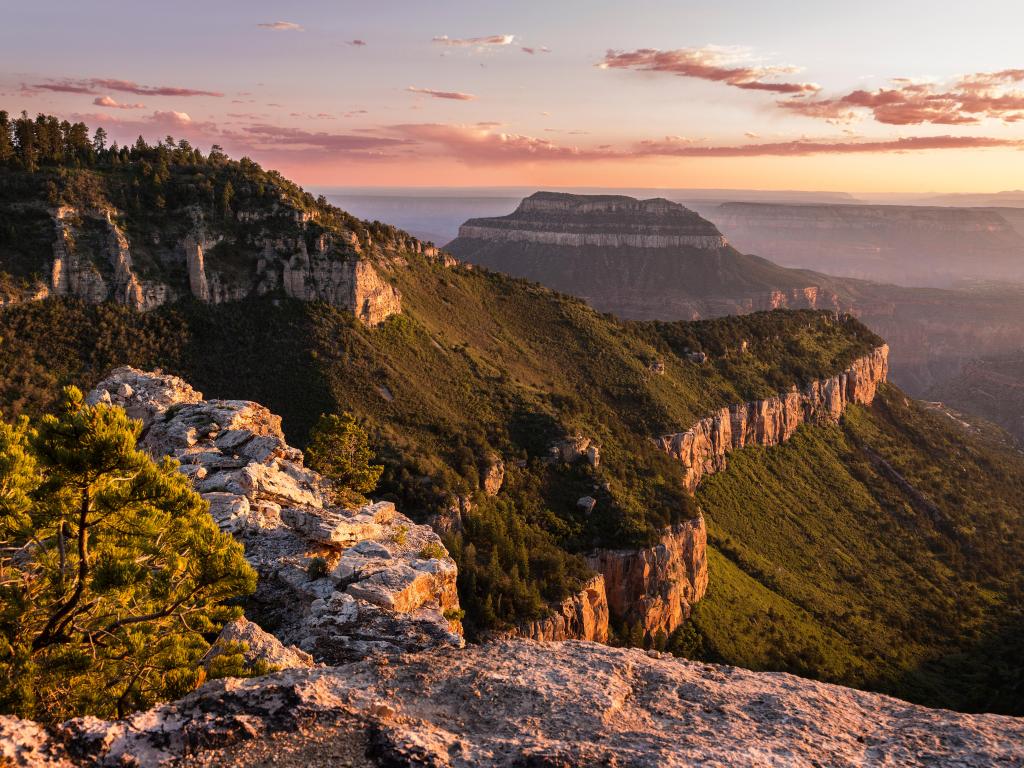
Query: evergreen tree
point(339, 450)
point(99, 140)
point(111, 569)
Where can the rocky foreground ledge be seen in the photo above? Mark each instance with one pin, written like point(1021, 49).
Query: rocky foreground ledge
point(519, 703)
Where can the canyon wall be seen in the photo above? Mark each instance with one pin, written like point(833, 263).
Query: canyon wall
point(703, 449)
point(656, 586)
point(98, 266)
point(583, 616)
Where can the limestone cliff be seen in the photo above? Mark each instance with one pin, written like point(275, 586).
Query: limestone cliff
point(519, 703)
point(583, 616)
point(656, 586)
point(100, 268)
point(338, 583)
point(703, 449)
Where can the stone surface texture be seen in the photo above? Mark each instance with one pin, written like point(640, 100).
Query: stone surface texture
point(521, 703)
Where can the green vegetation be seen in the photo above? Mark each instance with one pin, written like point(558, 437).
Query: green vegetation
point(339, 450)
point(112, 572)
point(883, 554)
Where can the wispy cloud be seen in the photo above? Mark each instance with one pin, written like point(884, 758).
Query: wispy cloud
point(452, 95)
point(804, 147)
point(282, 26)
point(472, 42)
point(107, 101)
point(722, 65)
point(965, 101)
point(96, 85)
point(357, 42)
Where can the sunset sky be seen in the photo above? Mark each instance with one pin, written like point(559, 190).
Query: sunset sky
point(868, 96)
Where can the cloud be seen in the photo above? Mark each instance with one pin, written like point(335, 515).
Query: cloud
point(530, 49)
point(107, 101)
point(967, 100)
point(803, 147)
point(475, 42)
point(720, 65)
point(335, 142)
point(282, 26)
point(95, 85)
point(357, 42)
point(453, 95)
point(483, 145)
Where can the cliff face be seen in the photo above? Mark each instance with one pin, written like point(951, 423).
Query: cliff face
point(385, 583)
point(656, 586)
point(93, 260)
point(518, 703)
point(583, 616)
point(704, 448)
point(642, 259)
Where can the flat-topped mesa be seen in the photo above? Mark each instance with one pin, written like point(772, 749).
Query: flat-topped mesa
point(703, 449)
point(557, 218)
point(339, 583)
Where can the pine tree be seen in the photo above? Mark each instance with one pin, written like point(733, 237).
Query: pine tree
point(111, 568)
point(339, 450)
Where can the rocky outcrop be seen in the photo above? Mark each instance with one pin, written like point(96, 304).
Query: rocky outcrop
point(575, 448)
point(518, 703)
point(583, 616)
point(555, 218)
point(104, 270)
point(338, 583)
point(92, 260)
point(656, 586)
point(257, 647)
point(492, 474)
point(703, 449)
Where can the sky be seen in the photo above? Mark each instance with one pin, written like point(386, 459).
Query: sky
point(870, 96)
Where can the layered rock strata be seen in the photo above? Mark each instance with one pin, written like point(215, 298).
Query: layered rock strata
point(555, 218)
point(98, 269)
point(583, 616)
point(338, 583)
point(656, 586)
point(518, 703)
point(703, 449)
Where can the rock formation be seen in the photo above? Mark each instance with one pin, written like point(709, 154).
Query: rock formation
point(703, 448)
point(338, 583)
point(656, 586)
point(640, 259)
point(519, 703)
point(583, 616)
point(556, 218)
point(92, 260)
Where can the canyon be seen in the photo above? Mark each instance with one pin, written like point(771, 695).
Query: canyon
point(933, 331)
point(917, 246)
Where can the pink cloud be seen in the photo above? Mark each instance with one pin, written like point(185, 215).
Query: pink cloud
point(804, 147)
point(95, 85)
point(452, 95)
point(469, 42)
point(107, 101)
point(357, 42)
point(965, 101)
point(282, 26)
point(709, 63)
